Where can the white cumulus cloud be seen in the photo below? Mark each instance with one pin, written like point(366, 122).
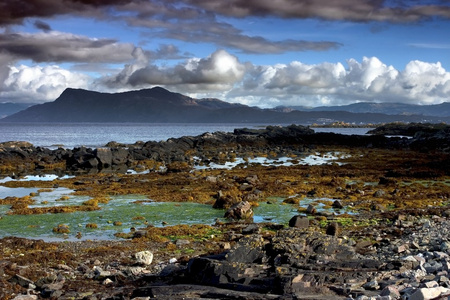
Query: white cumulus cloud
point(370, 80)
point(37, 83)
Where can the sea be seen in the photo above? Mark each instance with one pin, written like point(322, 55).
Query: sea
point(94, 135)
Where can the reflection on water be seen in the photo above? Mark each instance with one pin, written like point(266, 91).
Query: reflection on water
point(311, 160)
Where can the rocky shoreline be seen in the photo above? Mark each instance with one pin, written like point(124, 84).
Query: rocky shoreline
point(24, 158)
point(396, 245)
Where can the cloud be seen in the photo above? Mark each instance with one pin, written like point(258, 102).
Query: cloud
point(16, 11)
point(193, 24)
point(42, 25)
point(350, 10)
point(38, 84)
point(223, 76)
point(63, 47)
point(179, 20)
point(332, 83)
point(227, 36)
point(217, 72)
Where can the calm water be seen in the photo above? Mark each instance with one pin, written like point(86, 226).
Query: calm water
point(93, 135)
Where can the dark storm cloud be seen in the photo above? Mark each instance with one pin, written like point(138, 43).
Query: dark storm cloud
point(15, 11)
point(42, 25)
point(350, 10)
point(63, 47)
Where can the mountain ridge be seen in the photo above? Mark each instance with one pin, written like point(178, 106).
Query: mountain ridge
point(158, 105)
point(438, 110)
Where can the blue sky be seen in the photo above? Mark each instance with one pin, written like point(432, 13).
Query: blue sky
point(256, 52)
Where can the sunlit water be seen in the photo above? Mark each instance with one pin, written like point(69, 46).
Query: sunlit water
point(94, 135)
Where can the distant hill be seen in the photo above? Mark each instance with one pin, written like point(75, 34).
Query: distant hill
point(437, 110)
point(9, 108)
point(158, 105)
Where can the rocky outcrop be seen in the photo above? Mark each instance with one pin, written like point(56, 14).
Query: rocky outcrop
point(205, 148)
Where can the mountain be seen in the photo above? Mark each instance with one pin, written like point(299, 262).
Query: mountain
point(437, 110)
point(158, 105)
point(8, 108)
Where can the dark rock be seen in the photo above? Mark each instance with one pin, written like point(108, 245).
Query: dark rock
point(119, 156)
point(299, 222)
point(333, 229)
point(311, 209)
point(104, 156)
point(250, 229)
point(337, 204)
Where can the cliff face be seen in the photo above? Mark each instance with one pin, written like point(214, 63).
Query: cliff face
point(158, 105)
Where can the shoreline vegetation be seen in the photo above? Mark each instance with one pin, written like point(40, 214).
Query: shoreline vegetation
point(378, 224)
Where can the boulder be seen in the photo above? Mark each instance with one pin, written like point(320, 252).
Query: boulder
point(119, 156)
point(333, 229)
point(299, 222)
point(239, 211)
point(104, 156)
point(225, 201)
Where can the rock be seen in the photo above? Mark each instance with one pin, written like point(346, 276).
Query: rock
point(224, 201)
point(144, 257)
point(135, 271)
point(172, 260)
point(401, 248)
point(311, 209)
point(104, 156)
point(431, 284)
point(212, 179)
point(22, 281)
point(429, 293)
point(250, 229)
point(16, 144)
point(249, 250)
point(337, 204)
point(391, 291)
point(119, 156)
point(299, 222)
point(25, 297)
point(253, 179)
point(379, 193)
point(333, 229)
point(371, 285)
point(239, 211)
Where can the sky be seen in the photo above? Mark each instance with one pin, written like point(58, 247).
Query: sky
point(263, 53)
